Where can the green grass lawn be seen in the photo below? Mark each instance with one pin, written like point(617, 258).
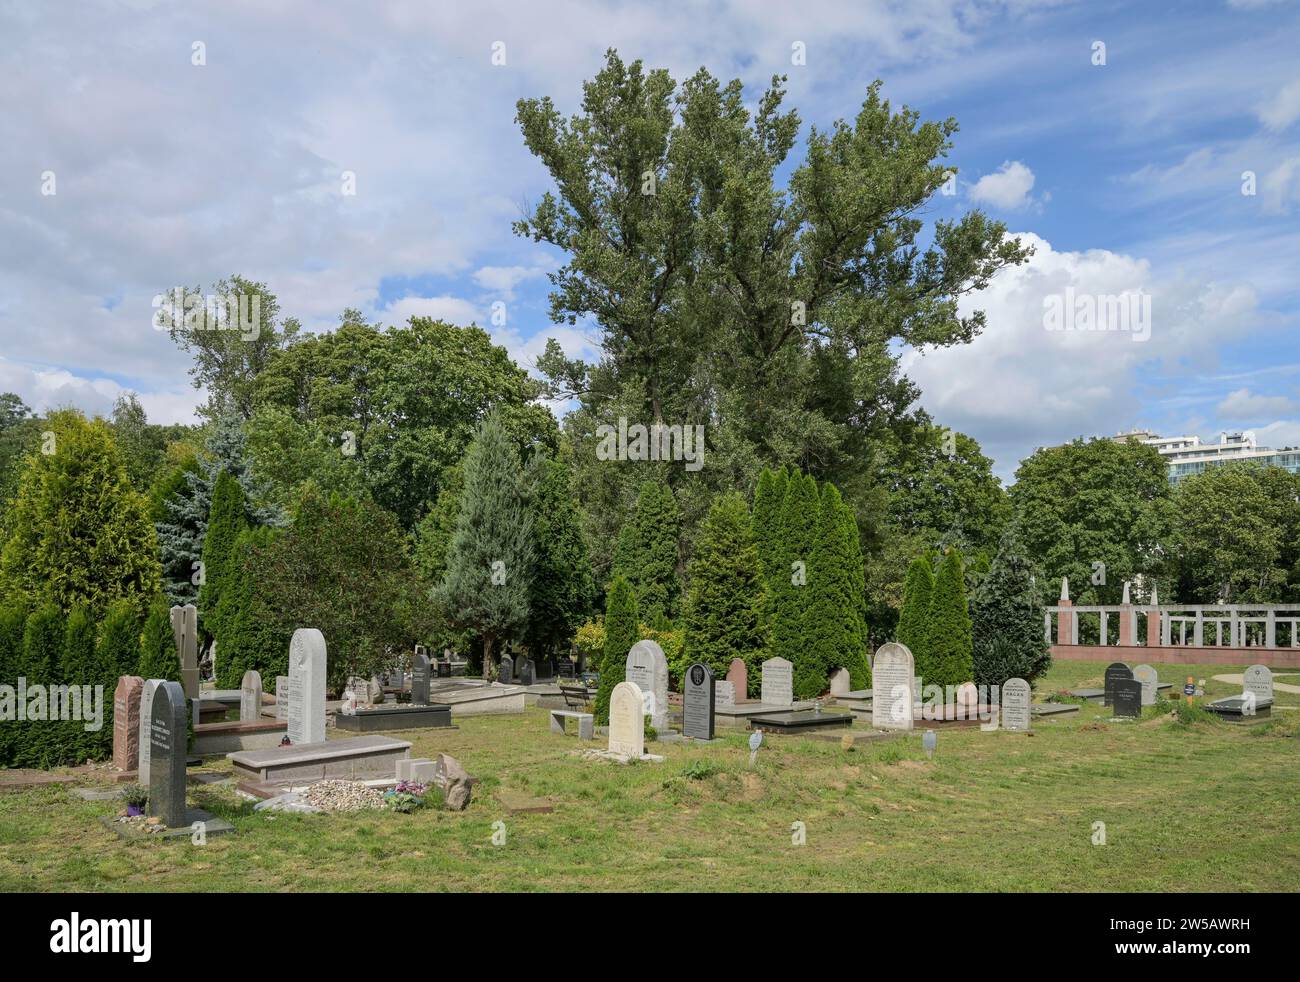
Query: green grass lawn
point(1208, 806)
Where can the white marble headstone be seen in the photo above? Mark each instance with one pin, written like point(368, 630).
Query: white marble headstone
point(1259, 680)
point(724, 694)
point(307, 687)
point(892, 681)
point(1150, 680)
point(647, 667)
point(626, 721)
point(250, 697)
point(840, 684)
point(1016, 714)
point(778, 683)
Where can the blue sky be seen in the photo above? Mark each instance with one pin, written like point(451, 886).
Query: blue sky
point(1127, 176)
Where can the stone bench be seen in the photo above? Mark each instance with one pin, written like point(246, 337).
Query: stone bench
point(586, 723)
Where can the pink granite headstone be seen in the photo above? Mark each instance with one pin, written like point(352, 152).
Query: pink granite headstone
point(126, 722)
point(738, 676)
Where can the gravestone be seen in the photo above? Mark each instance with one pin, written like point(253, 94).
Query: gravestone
point(1127, 696)
point(840, 684)
point(627, 721)
point(1115, 672)
point(185, 629)
point(145, 728)
point(724, 695)
point(126, 723)
point(738, 676)
point(1016, 714)
point(167, 736)
point(892, 680)
point(282, 697)
point(1259, 680)
point(307, 687)
point(250, 697)
point(420, 677)
point(697, 702)
point(968, 700)
point(647, 668)
point(506, 672)
point(778, 683)
point(527, 671)
point(1146, 676)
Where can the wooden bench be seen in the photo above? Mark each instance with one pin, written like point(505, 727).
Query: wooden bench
point(575, 696)
point(586, 723)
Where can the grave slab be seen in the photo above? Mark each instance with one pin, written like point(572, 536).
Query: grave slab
point(394, 717)
point(800, 722)
point(351, 758)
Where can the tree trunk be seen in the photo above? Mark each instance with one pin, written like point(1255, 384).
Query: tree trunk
point(487, 656)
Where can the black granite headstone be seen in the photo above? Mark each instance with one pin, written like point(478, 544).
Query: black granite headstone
point(167, 736)
point(420, 678)
point(697, 702)
point(527, 672)
point(1127, 695)
point(1115, 672)
point(506, 673)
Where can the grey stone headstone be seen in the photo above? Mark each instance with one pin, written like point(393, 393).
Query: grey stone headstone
point(282, 697)
point(420, 671)
point(307, 659)
point(647, 667)
point(527, 671)
point(167, 736)
point(1115, 672)
point(1146, 676)
point(1016, 714)
point(185, 629)
point(893, 676)
point(506, 672)
point(778, 683)
point(724, 694)
point(250, 697)
point(697, 702)
point(840, 683)
point(146, 730)
point(1259, 680)
point(1127, 695)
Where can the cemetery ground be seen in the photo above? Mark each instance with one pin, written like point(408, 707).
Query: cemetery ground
point(1205, 806)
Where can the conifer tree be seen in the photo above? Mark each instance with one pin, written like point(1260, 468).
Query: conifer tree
point(13, 619)
point(43, 638)
point(769, 498)
point(622, 630)
point(251, 637)
point(1007, 619)
point(490, 562)
point(118, 652)
point(834, 617)
point(948, 633)
point(226, 522)
point(158, 656)
point(724, 608)
point(561, 591)
point(79, 666)
point(918, 588)
point(646, 552)
point(799, 516)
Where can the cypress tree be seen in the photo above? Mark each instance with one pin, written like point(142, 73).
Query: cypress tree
point(918, 588)
point(43, 637)
point(769, 498)
point(490, 562)
point(13, 620)
point(724, 608)
point(800, 512)
point(561, 590)
point(835, 625)
point(646, 552)
point(948, 634)
point(79, 666)
point(158, 656)
point(622, 630)
point(226, 522)
point(119, 643)
point(251, 637)
point(1007, 620)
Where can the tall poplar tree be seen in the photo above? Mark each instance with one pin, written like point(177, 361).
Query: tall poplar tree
point(835, 628)
point(917, 591)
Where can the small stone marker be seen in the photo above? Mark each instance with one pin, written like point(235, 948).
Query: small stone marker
point(929, 740)
point(892, 676)
point(145, 730)
point(738, 676)
point(506, 671)
point(420, 666)
point(527, 671)
point(250, 697)
point(185, 629)
point(1016, 714)
point(697, 702)
point(1146, 676)
point(627, 721)
point(840, 683)
point(1259, 680)
point(724, 694)
point(1127, 694)
point(755, 741)
point(282, 697)
point(1115, 672)
point(647, 668)
point(778, 683)
point(167, 738)
point(126, 722)
point(307, 687)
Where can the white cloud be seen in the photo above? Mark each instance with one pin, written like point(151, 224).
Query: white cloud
point(1283, 109)
point(1281, 185)
point(1281, 433)
point(44, 389)
point(453, 310)
point(1008, 187)
point(1244, 405)
point(502, 280)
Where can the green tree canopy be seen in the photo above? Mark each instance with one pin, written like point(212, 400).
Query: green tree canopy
point(647, 552)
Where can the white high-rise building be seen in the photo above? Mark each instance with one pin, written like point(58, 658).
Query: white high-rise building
point(1188, 455)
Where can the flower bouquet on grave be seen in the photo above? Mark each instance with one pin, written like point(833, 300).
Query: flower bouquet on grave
point(406, 797)
point(135, 797)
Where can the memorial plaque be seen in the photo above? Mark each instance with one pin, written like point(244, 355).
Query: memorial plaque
point(146, 730)
point(126, 722)
point(627, 721)
point(893, 677)
point(1127, 694)
point(420, 667)
point(307, 687)
point(1115, 672)
point(778, 683)
point(724, 695)
point(697, 702)
point(1146, 676)
point(167, 736)
point(250, 697)
point(1259, 680)
point(647, 668)
point(738, 676)
point(506, 671)
point(1016, 714)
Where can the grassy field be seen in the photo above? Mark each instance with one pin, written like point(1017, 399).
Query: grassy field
point(1206, 806)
